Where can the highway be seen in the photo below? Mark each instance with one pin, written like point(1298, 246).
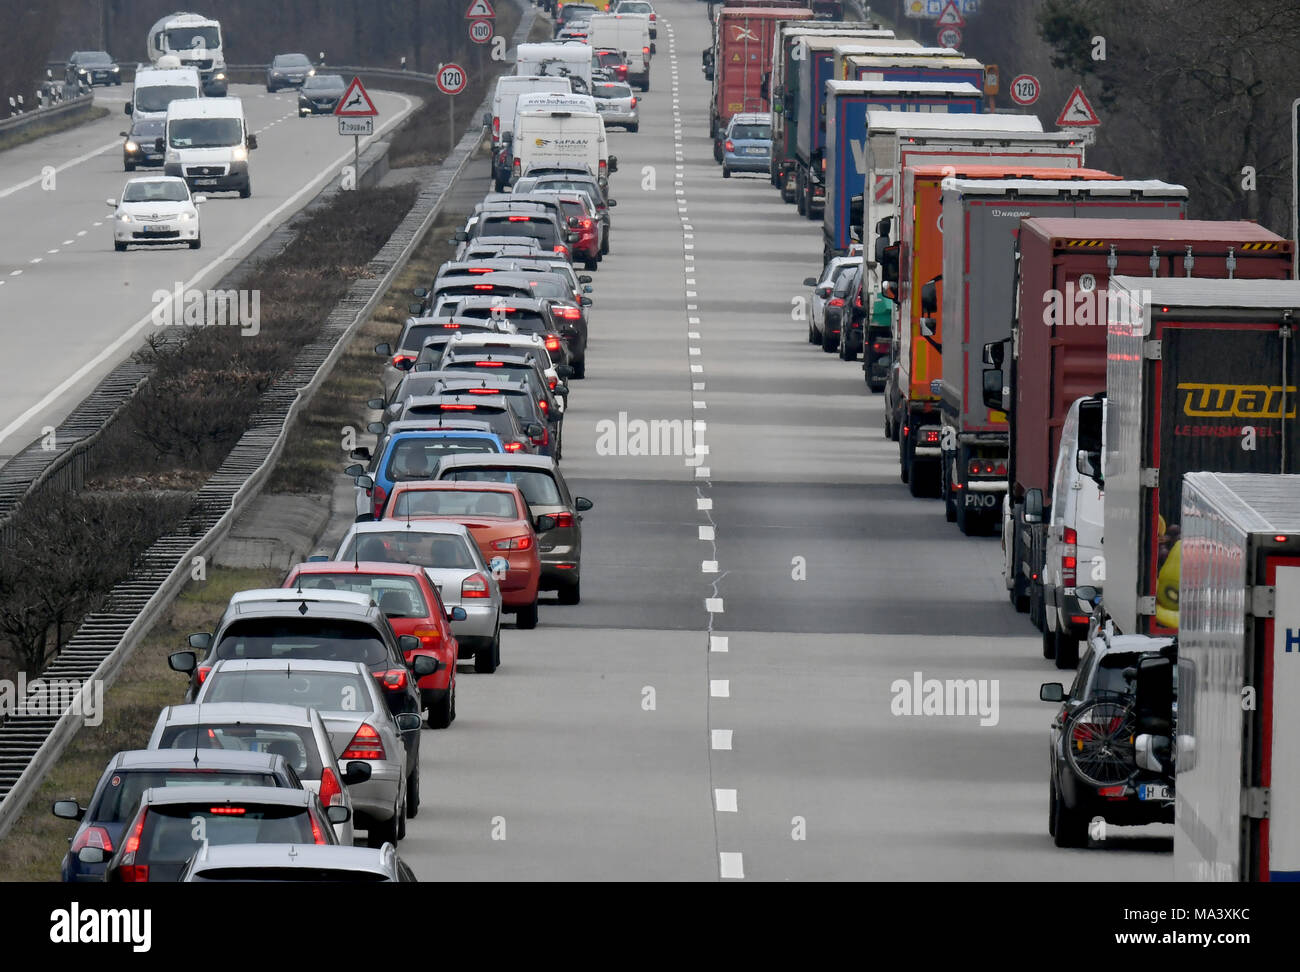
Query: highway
point(719, 706)
point(70, 307)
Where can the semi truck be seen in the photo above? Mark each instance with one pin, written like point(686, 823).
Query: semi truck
point(1200, 377)
point(1237, 809)
point(194, 40)
point(981, 220)
point(868, 47)
point(926, 64)
point(740, 57)
point(796, 89)
point(1057, 354)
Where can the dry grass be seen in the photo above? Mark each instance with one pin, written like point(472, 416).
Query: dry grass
point(55, 125)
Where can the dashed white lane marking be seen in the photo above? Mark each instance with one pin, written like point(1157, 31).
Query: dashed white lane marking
point(14, 273)
point(84, 232)
point(697, 369)
point(51, 252)
point(720, 688)
point(719, 643)
point(67, 242)
point(721, 738)
point(693, 351)
point(697, 386)
point(724, 801)
point(706, 533)
point(708, 567)
point(714, 605)
point(36, 259)
point(731, 865)
point(698, 405)
point(703, 504)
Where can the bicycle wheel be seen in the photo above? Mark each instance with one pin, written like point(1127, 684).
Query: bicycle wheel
point(1099, 742)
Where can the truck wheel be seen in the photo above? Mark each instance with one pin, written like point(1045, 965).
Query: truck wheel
point(1067, 650)
point(1036, 612)
point(1071, 828)
point(924, 479)
point(800, 200)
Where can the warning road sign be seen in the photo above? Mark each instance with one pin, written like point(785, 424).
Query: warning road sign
point(951, 16)
point(355, 103)
point(1078, 111)
point(479, 8)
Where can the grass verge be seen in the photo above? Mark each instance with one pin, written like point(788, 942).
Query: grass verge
point(61, 123)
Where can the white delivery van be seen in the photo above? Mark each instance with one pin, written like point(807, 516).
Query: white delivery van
point(554, 138)
point(570, 59)
point(509, 88)
point(156, 88)
point(207, 142)
point(630, 34)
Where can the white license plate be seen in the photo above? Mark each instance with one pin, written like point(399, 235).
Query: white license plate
point(1154, 791)
point(755, 151)
point(161, 228)
point(205, 182)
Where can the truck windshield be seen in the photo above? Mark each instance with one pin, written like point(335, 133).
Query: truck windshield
point(156, 97)
point(204, 132)
point(187, 38)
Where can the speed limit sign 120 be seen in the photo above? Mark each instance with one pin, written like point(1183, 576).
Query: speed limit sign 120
point(1025, 89)
point(452, 79)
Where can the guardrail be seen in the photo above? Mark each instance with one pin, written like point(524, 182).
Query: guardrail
point(103, 643)
point(79, 104)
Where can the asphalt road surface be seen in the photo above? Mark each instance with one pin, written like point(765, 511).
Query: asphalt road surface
point(71, 308)
point(719, 705)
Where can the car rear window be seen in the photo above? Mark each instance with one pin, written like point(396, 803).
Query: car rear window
point(313, 690)
point(396, 596)
point(539, 229)
point(175, 832)
point(524, 319)
point(297, 744)
point(455, 502)
point(122, 792)
point(537, 485)
point(303, 637)
point(417, 334)
point(439, 551)
point(417, 458)
point(751, 131)
point(271, 873)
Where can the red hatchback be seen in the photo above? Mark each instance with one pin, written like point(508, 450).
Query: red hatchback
point(412, 605)
point(501, 523)
point(584, 221)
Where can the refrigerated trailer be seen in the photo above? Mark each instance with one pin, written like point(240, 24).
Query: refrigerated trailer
point(1057, 354)
point(1237, 810)
point(1200, 377)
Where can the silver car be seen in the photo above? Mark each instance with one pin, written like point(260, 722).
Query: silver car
point(821, 292)
point(297, 734)
point(451, 558)
point(616, 104)
point(359, 723)
point(296, 862)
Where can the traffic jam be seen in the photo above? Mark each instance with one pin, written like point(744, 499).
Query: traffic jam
point(1067, 371)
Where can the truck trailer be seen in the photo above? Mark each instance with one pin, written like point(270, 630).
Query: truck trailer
point(741, 56)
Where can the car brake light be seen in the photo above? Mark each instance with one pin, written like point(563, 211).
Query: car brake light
point(1113, 792)
point(480, 270)
point(645, 50)
point(731, 146)
point(451, 327)
point(399, 358)
point(585, 223)
point(563, 520)
point(484, 391)
point(379, 495)
point(568, 313)
point(317, 835)
point(835, 302)
point(513, 446)
point(561, 249)
point(485, 287)
point(517, 168)
point(552, 382)
point(518, 219)
point(524, 542)
point(456, 407)
point(488, 364)
point(136, 873)
point(1069, 557)
point(496, 126)
point(130, 871)
point(1070, 535)
point(203, 673)
point(652, 17)
point(366, 743)
point(429, 637)
point(552, 343)
point(542, 404)
point(228, 811)
point(634, 101)
point(94, 837)
point(603, 167)
point(331, 793)
point(1001, 469)
point(475, 585)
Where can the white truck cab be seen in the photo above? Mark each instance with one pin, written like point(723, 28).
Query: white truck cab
point(196, 41)
point(207, 142)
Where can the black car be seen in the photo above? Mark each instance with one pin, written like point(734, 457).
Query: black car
point(288, 71)
point(853, 319)
point(1134, 797)
point(140, 145)
point(572, 13)
point(836, 313)
point(585, 182)
point(568, 316)
point(515, 388)
point(92, 68)
point(320, 94)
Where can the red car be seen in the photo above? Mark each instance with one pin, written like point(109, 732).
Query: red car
point(501, 523)
point(412, 605)
point(586, 223)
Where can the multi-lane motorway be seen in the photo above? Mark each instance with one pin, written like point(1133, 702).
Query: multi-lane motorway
point(70, 307)
point(720, 703)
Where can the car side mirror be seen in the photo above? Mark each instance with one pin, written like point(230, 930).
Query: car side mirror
point(362, 453)
point(992, 387)
point(363, 481)
point(183, 661)
point(613, 163)
point(252, 141)
point(1087, 597)
point(337, 814)
point(584, 278)
point(930, 296)
point(1051, 692)
point(486, 119)
point(91, 855)
point(563, 372)
point(586, 302)
point(587, 288)
point(1033, 511)
point(123, 134)
point(1089, 464)
point(355, 772)
point(415, 307)
point(810, 281)
point(409, 721)
point(354, 470)
point(457, 613)
point(460, 236)
point(67, 810)
point(421, 292)
point(128, 108)
point(410, 643)
point(929, 325)
point(111, 203)
point(544, 523)
point(562, 389)
point(887, 258)
point(573, 222)
point(535, 430)
point(376, 428)
point(375, 403)
point(582, 504)
point(994, 353)
point(383, 349)
point(423, 665)
point(612, 203)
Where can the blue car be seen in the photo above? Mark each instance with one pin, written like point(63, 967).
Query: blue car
point(411, 450)
point(747, 144)
point(130, 773)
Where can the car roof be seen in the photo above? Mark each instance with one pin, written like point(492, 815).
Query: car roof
point(204, 759)
point(288, 665)
point(455, 398)
point(230, 713)
point(419, 428)
point(287, 796)
point(276, 595)
point(752, 118)
point(358, 567)
point(228, 107)
point(332, 856)
point(421, 526)
point(505, 459)
point(442, 486)
point(1128, 644)
point(488, 300)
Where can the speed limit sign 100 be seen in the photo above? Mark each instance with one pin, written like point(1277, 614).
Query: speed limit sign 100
point(1025, 89)
point(452, 79)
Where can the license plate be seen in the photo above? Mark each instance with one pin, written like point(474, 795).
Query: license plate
point(205, 182)
point(157, 229)
point(754, 150)
point(1154, 791)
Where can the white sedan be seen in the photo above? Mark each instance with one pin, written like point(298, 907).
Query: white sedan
point(156, 210)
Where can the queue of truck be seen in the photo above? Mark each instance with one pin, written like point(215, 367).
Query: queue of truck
point(1075, 364)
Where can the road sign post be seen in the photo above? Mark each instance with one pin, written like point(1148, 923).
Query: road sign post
point(452, 80)
point(356, 114)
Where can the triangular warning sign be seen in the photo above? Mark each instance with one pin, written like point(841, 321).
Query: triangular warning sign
point(355, 103)
point(951, 16)
point(1078, 111)
point(480, 8)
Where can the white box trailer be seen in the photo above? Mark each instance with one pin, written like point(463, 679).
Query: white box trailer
point(630, 34)
point(1237, 814)
point(569, 59)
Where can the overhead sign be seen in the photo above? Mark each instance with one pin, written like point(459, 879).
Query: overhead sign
point(480, 8)
point(355, 103)
point(1025, 89)
point(356, 126)
point(951, 16)
point(949, 37)
point(452, 79)
point(1078, 111)
point(481, 31)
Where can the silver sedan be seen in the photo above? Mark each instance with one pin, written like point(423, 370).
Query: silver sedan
point(616, 104)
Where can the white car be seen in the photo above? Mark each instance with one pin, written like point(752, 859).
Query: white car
point(822, 288)
point(156, 210)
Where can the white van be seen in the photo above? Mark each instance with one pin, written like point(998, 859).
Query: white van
point(630, 34)
point(207, 142)
point(565, 138)
point(1073, 554)
point(156, 88)
point(570, 59)
point(509, 88)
